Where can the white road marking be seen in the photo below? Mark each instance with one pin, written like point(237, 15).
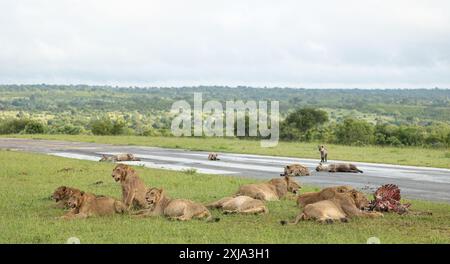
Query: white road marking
point(144, 163)
point(207, 162)
point(75, 156)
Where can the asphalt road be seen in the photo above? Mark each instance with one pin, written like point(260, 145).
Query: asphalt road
point(414, 182)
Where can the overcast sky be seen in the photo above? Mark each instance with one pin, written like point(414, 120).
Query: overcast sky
point(361, 43)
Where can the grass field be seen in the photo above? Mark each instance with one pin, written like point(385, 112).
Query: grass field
point(27, 181)
point(403, 156)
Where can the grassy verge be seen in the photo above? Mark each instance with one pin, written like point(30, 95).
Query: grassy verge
point(403, 156)
point(27, 180)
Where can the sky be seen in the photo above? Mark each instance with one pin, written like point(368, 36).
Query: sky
point(309, 44)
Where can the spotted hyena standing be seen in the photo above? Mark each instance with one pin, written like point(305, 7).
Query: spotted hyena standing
point(323, 154)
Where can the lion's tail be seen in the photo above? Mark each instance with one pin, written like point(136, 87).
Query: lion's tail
point(359, 170)
point(300, 217)
point(210, 218)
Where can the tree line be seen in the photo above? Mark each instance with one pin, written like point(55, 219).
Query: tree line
point(302, 124)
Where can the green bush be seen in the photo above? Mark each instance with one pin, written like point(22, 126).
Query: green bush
point(13, 126)
point(352, 131)
point(34, 127)
point(106, 126)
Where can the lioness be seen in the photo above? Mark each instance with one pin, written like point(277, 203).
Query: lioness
point(61, 195)
point(272, 190)
point(240, 204)
point(119, 157)
point(295, 170)
point(339, 207)
point(325, 194)
point(175, 209)
point(213, 156)
point(133, 188)
point(338, 167)
point(85, 205)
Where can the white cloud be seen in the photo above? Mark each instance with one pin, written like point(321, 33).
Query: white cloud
point(263, 43)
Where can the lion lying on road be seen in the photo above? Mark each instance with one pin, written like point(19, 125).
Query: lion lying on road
point(295, 170)
point(213, 156)
point(340, 206)
point(175, 209)
point(119, 157)
point(338, 167)
point(325, 194)
point(269, 191)
point(85, 205)
point(133, 188)
point(239, 204)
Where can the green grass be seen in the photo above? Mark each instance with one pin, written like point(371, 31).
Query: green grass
point(403, 156)
point(27, 180)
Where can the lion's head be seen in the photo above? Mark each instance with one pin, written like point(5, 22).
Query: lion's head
point(359, 198)
point(153, 196)
point(321, 167)
point(120, 172)
point(75, 199)
point(62, 193)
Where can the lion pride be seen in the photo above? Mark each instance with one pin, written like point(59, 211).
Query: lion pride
point(272, 190)
point(240, 205)
point(133, 188)
point(85, 205)
point(175, 209)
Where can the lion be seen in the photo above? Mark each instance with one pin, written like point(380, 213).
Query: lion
point(272, 190)
point(175, 209)
point(326, 193)
point(119, 157)
point(339, 206)
point(85, 205)
point(240, 204)
point(338, 167)
point(133, 188)
point(62, 194)
point(213, 156)
point(295, 170)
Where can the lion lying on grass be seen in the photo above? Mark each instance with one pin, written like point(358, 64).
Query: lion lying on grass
point(338, 167)
point(240, 205)
point(340, 206)
point(269, 191)
point(175, 209)
point(325, 194)
point(85, 205)
point(119, 157)
point(295, 170)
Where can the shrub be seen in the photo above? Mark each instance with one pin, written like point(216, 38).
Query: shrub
point(34, 127)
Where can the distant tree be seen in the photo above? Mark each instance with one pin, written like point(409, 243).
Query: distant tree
point(305, 119)
point(355, 132)
point(106, 126)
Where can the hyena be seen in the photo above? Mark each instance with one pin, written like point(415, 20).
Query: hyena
point(323, 154)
